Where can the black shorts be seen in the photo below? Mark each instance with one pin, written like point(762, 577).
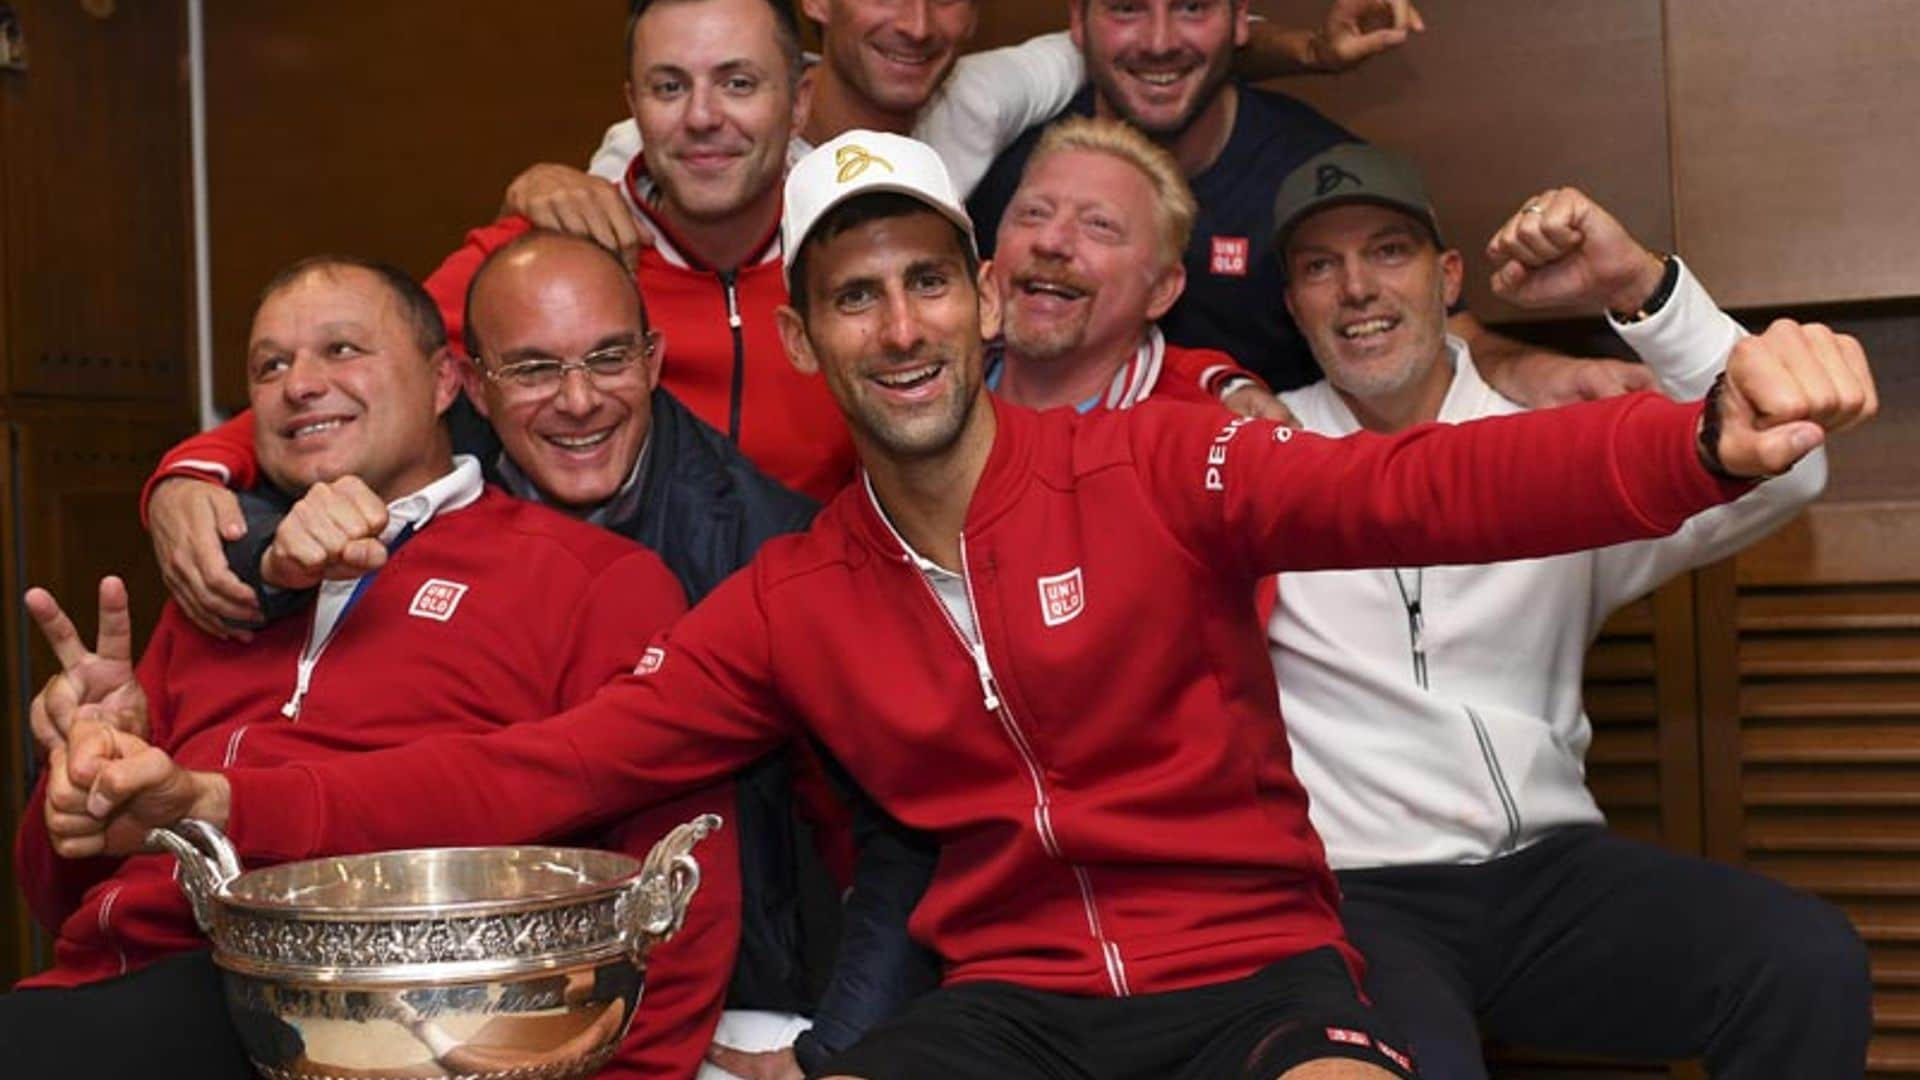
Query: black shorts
point(1301, 1009)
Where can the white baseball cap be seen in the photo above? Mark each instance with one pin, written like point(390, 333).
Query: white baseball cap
point(862, 162)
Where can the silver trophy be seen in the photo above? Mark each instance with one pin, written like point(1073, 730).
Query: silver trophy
point(501, 962)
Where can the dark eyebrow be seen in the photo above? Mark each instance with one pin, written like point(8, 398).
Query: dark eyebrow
point(868, 281)
point(944, 262)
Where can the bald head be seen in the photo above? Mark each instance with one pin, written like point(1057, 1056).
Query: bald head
point(569, 309)
point(543, 257)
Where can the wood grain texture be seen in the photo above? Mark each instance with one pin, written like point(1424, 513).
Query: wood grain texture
point(93, 205)
point(1500, 99)
point(385, 130)
point(1795, 146)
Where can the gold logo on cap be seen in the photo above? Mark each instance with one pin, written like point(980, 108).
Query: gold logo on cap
point(854, 160)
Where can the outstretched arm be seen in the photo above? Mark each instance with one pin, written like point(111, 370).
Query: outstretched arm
point(702, 706)
point(1252, 495)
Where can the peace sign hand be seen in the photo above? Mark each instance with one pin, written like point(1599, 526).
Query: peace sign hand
point(100, 681)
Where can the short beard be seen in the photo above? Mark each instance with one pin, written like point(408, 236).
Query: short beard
point(1106, 85)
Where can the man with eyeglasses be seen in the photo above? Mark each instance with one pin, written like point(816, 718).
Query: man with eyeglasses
point(716, 86)
point(567, 410)
point(445, 606)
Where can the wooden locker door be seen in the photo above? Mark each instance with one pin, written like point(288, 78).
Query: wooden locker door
point(1812, 699)
point(77, 471)
point(94, 204)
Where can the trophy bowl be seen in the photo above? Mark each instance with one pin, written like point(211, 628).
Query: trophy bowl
point(497, 962)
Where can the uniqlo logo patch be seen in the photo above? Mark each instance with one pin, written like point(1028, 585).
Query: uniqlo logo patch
point(650, 660)
point(437, 599)
point(1230, 256)
point(1062, 597)
point(1348, 1036)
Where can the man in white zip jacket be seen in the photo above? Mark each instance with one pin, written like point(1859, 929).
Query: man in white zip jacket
point(1435, 715)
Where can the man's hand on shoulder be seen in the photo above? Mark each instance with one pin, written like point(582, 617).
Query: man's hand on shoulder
point(1562, 249)
point(332, 532)
point(106, 788)
point(564, 198)
point(1542, 378)
point(190, 519)
point(97, 682)
point(1785, 391)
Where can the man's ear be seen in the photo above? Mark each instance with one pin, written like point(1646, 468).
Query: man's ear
point(474, 383)
point(1453, 271)
point(1077, 23)
point(989, 302)
point(1242, 29)
point(1166, 289)
point(793, 337)
point(815, 10)
point(802, 100)
point(655, 362)
point(447, 379)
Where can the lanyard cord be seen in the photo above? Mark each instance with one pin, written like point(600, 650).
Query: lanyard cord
point(360, 587)
point(1416, 622)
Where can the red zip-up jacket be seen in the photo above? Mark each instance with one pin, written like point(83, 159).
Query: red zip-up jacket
point(551, 609)
point(1108, 776)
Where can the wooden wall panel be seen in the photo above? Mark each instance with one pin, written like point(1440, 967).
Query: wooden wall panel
point(1502, 98)
point(1795, 146)
point(385, 130)
point(94, 286)
point(15, 923)
point(75, 477)
point(1811, 698)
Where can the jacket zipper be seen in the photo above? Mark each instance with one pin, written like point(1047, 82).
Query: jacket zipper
point(309, 656)
point(728, 278)
point(996, 704)
point(303, 674)
point(1507, 804)
point(1416, 633)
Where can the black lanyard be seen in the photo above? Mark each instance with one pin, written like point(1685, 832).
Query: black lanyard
point(1416, 622)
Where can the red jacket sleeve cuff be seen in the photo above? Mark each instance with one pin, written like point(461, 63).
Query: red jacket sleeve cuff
point(1667, 431)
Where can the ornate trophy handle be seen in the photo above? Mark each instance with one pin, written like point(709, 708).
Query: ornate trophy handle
point(654, 907)
point(208, 863)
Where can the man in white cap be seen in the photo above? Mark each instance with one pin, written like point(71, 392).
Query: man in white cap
point(1128, 885)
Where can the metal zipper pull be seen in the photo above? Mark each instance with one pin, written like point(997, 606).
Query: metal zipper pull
point(989, 694)
point(303, 676)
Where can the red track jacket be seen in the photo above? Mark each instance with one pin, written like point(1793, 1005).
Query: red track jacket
point(1108, 777)
point(552, 609)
